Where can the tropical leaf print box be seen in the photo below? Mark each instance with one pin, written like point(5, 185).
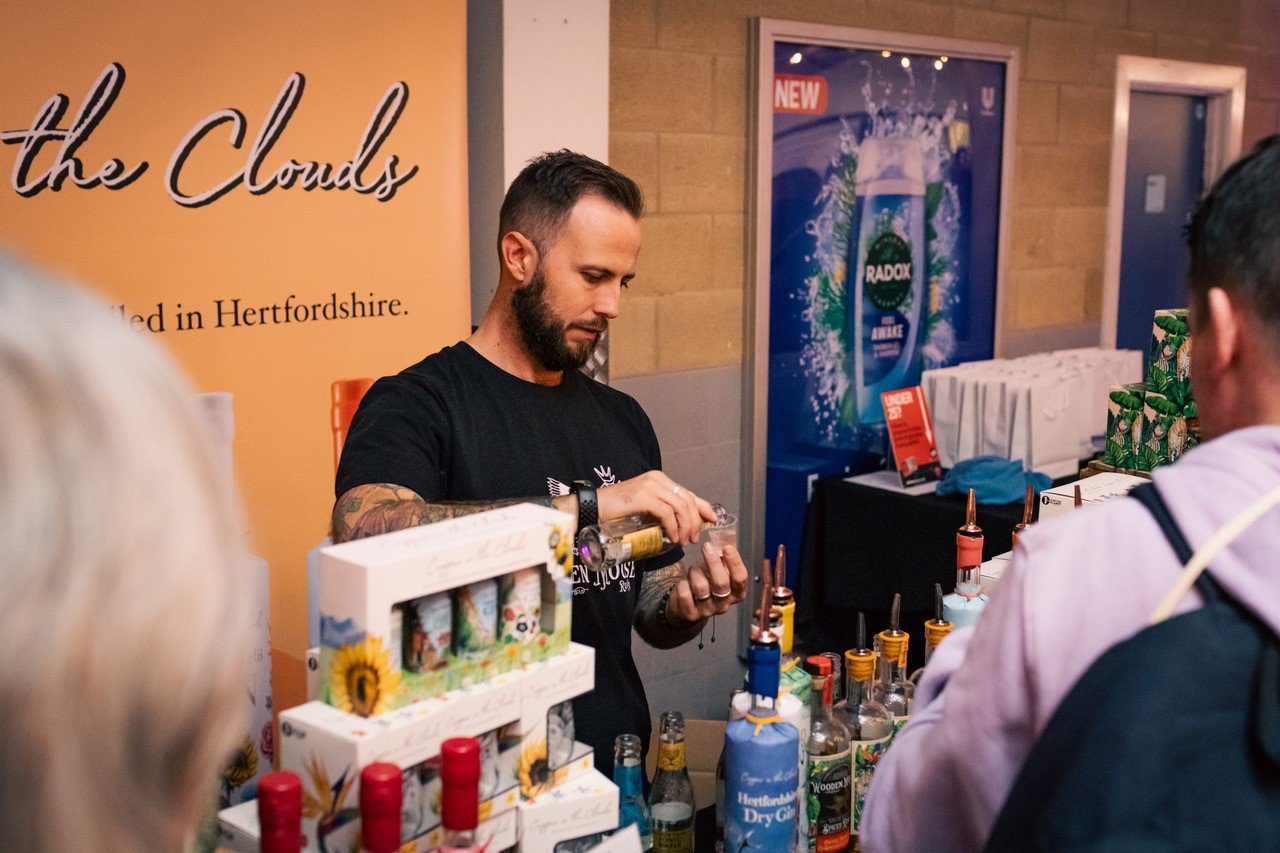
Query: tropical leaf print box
point(410, 615)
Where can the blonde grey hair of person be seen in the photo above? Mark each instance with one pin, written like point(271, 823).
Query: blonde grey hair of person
point(122, 583)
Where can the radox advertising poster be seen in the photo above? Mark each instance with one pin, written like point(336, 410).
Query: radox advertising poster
point(885, 231)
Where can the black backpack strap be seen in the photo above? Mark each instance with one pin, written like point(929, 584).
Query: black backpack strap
point(1266, 701)
point(1149, 496)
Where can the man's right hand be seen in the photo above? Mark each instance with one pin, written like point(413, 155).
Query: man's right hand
point(653, 493)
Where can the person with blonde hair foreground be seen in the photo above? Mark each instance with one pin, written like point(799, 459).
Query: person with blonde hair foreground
point(121, 583)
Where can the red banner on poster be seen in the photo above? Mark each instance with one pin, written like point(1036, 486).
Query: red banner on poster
point(911, 434)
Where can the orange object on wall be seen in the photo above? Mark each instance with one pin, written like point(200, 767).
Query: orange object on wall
point(346, 395)
point(215, 232)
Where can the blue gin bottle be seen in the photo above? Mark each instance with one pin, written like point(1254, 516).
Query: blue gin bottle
point(762, 763)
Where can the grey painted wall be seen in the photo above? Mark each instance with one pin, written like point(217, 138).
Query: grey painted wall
point(696, 416)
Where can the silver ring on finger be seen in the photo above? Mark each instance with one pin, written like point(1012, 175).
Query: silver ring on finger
point(706, 597)
point(720, 595)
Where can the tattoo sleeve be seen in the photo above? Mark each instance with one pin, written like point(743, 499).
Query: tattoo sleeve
point(382, 507)
point(650, 624)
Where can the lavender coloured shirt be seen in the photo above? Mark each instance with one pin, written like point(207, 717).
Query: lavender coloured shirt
point(1077, 585)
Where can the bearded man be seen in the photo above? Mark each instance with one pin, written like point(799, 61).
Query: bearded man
point(507, 417)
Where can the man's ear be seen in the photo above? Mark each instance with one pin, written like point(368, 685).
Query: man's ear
point(1223, 323)
point(518, 255)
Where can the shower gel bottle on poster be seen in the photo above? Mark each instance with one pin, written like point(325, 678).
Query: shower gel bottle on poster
point(889, 297)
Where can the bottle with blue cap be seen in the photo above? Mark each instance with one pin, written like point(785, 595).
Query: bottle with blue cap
point(762, 772)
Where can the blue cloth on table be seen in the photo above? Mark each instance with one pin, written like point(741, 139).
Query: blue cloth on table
point(994, 480)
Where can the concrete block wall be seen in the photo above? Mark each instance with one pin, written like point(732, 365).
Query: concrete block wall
point(677, 123)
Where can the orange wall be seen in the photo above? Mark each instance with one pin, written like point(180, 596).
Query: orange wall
point(183, 62)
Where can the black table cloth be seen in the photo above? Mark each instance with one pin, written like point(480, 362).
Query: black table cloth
point(863, 544)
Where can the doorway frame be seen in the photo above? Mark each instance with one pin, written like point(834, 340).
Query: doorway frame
point(1223, 87)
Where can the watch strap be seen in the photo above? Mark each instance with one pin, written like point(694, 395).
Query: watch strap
point(588, 507)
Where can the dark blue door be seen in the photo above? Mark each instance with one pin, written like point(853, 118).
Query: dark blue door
point(1164, 177)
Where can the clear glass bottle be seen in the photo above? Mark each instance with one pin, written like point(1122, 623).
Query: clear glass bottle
point(892, 688)
point(632, 537)
point(829, 768)
point(870, 724)
point(671, 799)
point(965, 605)
point(935, 630)
point(628, 775)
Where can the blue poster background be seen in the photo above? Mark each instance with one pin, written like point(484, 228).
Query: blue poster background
point(821, 418)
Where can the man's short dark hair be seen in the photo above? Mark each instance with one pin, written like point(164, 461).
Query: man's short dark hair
point(540, 198)
point(1234, 236)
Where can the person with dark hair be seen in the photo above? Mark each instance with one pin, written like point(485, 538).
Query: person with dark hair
point(507, 417)
point(1061, 720)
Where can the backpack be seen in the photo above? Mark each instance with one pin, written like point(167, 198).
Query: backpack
point(1169, 741)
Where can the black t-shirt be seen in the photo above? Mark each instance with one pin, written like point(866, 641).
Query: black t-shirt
point(457, 427)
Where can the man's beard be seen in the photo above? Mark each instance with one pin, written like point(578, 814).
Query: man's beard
point(542, 332)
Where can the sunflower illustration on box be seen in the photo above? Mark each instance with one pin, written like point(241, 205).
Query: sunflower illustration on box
point(241, 766)
point(362, 678)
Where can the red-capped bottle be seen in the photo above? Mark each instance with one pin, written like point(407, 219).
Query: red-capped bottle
point(460, 794)
point(280, 813)
point(381, 796)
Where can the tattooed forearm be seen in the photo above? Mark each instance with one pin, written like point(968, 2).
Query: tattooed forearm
point(649, 621)
point(382, 507)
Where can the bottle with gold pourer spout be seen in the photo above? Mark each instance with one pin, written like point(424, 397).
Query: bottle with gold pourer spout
point(870, 724)
point(964, 605)
point(1028, 504)
point(934, 630)
point(892, 689)
point(794, 679)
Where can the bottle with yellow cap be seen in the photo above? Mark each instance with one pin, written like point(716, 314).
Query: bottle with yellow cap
point(892, 689)
point(870, 724)
point(934, 630)
point(964, 605)
point(794, 679)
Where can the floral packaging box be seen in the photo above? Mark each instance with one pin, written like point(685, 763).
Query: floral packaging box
point(583, 807)
point(369, 586)
point(239, 832)
point(523, 719)
point(1124, 447)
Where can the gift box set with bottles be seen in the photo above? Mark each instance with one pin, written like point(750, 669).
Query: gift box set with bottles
point(1154, 423)
point(413, 614)
point(457, 629)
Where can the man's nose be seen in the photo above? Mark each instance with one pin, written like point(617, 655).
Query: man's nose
point(608, 301)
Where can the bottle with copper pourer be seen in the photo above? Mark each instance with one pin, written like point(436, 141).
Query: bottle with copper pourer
point(963, 606)
point(892, 689)
point(1028, 504)
point(935, 630)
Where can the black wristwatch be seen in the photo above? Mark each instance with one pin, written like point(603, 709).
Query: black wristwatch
point(588, 508)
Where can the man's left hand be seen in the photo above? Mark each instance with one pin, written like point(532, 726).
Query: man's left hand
point(710, 589)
